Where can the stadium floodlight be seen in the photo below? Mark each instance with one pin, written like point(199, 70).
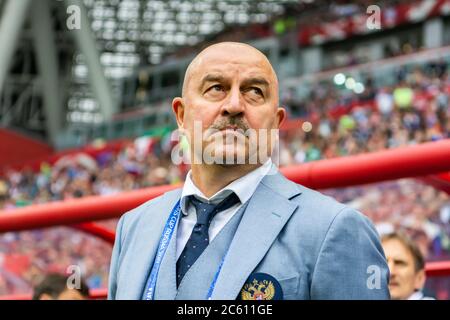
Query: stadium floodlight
point(359, 88)
point(350, 83)
point(339, 79)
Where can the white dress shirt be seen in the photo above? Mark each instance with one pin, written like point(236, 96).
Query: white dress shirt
point(418, 295)
point(244, 187)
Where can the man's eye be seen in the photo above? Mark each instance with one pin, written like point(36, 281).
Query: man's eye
point(257, 91)
point(216, 91)
point(217, 87)
point(400, 263)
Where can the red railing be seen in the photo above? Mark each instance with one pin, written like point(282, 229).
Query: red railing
point(94, 294)
point(96, 230)
point(414, 161)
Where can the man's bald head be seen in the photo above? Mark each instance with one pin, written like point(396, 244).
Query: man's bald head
point(231, 50)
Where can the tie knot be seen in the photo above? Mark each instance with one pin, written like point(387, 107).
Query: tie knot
point(206, 211)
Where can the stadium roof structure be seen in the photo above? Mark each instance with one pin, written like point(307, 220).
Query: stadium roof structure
point(143, 31)
point(44, 63)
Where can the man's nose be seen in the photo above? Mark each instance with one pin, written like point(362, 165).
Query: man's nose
point(234, 105)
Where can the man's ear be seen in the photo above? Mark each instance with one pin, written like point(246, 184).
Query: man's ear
point(281, 116)
point(178, 110)
point(419, 280)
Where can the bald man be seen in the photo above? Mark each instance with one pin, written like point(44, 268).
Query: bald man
point(238, 229)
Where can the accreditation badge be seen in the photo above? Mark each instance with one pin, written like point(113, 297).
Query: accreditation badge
point(261, 286)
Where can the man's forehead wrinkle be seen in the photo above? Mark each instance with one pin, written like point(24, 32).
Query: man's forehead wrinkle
point(226, 71)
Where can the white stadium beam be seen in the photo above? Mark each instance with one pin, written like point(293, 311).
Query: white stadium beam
point(47, 60)
point(87, 46)
point(11, 23)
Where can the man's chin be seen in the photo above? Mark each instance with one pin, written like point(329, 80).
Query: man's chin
point(227, 158)
point(396, 295)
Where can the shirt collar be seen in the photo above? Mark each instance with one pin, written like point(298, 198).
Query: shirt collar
point(243, 187)
point(418, 295)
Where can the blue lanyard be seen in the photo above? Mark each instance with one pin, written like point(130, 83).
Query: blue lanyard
point(213, 283)
point(162, 248)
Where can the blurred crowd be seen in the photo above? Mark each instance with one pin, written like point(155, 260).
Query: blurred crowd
point(26, 257)
point(413, 111)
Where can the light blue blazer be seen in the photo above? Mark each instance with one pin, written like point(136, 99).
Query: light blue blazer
point(315, 247)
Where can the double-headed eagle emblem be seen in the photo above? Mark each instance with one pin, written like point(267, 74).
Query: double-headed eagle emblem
point(258, 290)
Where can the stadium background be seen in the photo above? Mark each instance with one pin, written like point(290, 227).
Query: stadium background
point(85, 109)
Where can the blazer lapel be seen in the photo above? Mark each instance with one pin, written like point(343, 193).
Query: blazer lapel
point(267, 212)
point(145, 243)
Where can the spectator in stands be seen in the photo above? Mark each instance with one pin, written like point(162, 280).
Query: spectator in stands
point(56, 287)
point(3, 193)
point(403, 96)
point(384, 102)
point(406, 266)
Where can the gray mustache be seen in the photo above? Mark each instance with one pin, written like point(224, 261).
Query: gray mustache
point(223, 123)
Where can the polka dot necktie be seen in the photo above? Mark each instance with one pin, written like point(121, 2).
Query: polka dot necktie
point(199, 238)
